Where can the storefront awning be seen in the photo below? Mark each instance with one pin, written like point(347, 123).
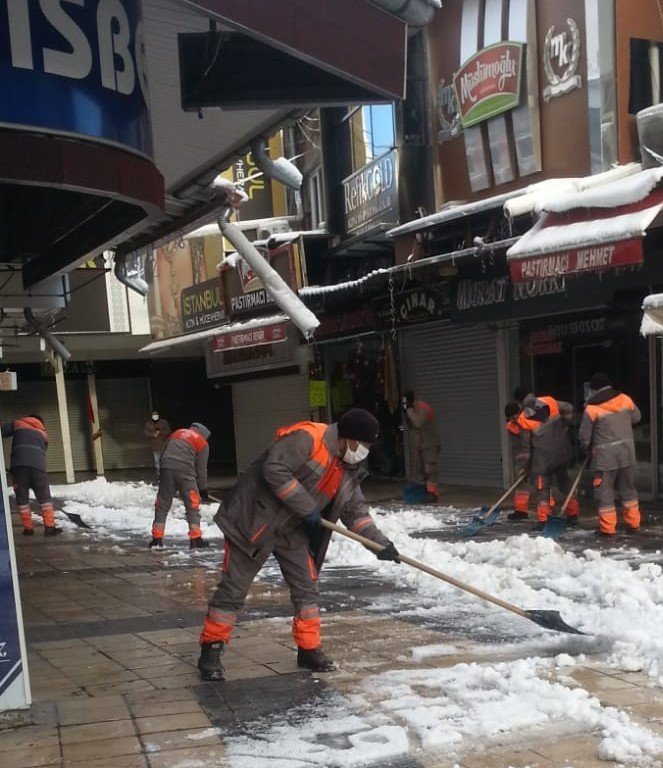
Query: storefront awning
point(582, 240)
point(260, 330)
point(652, 315)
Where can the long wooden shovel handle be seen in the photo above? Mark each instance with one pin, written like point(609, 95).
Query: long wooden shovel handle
point(427, 569)
point(506, 494)
point(574, 486)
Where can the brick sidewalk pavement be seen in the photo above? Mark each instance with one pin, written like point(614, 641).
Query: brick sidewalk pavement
point(113, 645)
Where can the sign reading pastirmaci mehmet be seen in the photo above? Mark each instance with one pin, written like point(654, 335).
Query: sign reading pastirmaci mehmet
point(76, 68)
point(489, 82)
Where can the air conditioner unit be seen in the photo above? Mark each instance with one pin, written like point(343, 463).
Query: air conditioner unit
point(269, 227)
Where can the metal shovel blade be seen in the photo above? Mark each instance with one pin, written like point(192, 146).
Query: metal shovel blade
point(77, 519)
point(552, 620)
point(480, 521)
point(554, 527)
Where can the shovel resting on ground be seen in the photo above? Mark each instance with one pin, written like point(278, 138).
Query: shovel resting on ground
point(546, 619)
point(490, 516)
point(555, 524)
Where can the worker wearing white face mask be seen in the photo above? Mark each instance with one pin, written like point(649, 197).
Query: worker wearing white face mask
point(311, 470)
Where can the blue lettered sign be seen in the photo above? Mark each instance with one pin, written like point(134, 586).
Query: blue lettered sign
point(14, 684)
point(75, 67)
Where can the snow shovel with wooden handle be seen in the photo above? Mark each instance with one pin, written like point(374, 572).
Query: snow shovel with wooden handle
point(546, 619)
point(556, 524)
point(490, 516)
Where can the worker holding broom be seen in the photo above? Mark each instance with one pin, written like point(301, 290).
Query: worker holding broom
point(310, 471)
point(607, 426)
point(545, 450)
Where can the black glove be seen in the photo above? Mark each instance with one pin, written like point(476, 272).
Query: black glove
point(389, 553)
point(204, 496)
point(313, 519)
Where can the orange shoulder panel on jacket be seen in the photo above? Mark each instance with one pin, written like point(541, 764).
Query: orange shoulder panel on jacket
point(316, 430)
point(513, 427)
point(551, 402)
point(190, 436)
point(30, 422)
point(427, 409)
point(620, 402)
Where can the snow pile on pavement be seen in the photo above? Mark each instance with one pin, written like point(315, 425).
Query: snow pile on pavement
point(471, 704)
point(116, 509)
point(616, 597)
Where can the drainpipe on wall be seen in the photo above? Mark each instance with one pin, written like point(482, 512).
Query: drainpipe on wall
point(415, 13)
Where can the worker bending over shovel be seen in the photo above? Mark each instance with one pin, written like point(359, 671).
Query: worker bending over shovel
point(276, 506)
point(545, 450)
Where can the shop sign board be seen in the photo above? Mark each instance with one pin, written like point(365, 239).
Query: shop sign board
point(561, 58)
point(266, 334)
point(243, 291)
point(419, 305)
point(578, 260)
point(202, 306)
point(370, 196)
point(489, 83)
point(14, 682)
point(239, 361)
point(76, 68)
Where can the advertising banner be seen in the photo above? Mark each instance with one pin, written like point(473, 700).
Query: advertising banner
point(489, 83)
point(14, 681)
point(76, 68)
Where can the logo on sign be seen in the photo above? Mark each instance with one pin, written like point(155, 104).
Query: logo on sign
point(447, 113)
point(76, 67)
point(561, 56)
point(489, 83)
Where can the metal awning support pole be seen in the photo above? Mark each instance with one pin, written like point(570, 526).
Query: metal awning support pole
point(95, 425)
point(63, 412)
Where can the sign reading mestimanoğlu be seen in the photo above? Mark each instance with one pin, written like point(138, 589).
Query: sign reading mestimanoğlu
point(489, 82)
point(590, 259)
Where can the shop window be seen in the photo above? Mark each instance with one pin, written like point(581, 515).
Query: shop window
point(372, 133)
point(316, 200)
point(645, 74)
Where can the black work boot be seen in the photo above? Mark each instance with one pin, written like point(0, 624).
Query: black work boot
point(516, 516)
point(51, 530)
point(209, 663)
point(28, 531)
point(198, 543)
point(156, 543)
point(315, 659)
point(572, 520)
point(539, 526)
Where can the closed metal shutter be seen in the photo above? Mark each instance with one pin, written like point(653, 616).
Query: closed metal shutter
point(455, 370)
point(261, 406)
point(124, 407)
point(41, 397)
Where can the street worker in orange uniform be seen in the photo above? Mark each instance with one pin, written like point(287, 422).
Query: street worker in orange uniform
point(607, 431)
point(28, 468)
point(310, 470)
point(545, 450)
point(183, 469)
point(424, 442)
point(521, 497)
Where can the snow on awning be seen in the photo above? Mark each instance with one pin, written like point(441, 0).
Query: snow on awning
point(584, 240)
point(258, 323)
point(652, 317)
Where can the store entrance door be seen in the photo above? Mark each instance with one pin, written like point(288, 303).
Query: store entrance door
point(589, 359)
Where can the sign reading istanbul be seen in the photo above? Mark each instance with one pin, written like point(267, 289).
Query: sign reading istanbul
point(597, 257)
point(561, 57)
point(202, 306)
point(488, 84)
point(371, 195)
point(76, 68)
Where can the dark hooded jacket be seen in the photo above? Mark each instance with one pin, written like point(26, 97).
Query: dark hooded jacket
point(297, 475)
point(607, 429)
point(187, 452)
point(29, 444)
